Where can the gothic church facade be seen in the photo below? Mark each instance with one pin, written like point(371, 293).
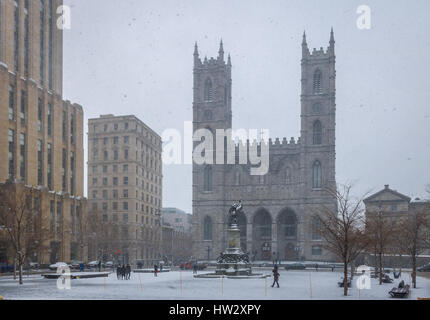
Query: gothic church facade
point(277, 223)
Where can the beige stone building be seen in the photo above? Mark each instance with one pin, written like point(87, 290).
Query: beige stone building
point(41, 135)
point(125, 189)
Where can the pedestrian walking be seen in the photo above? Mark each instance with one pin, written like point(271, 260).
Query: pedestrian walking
point(316, 267)
point(128, 272)
point(155, 270)
point(118, 271)
point(195, 268)
point(100, 266)
point(123, 272)
point(275, 276)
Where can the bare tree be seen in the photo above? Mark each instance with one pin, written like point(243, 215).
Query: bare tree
point(21, 220)
point(414, 235)
point(342, 228)
point(379, 230)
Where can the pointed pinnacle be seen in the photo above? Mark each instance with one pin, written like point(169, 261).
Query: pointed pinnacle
point(304, 38)
point(196, 49)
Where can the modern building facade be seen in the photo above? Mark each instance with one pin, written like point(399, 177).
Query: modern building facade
point(41, 135)
point(125, 188)
point(278, 206)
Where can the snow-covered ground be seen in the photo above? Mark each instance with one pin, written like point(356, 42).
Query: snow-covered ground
point(177, 285)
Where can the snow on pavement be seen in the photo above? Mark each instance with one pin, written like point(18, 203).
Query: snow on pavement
point(175, 285)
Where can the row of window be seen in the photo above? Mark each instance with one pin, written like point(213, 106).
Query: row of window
point(125, 195)
point(125, 219)
point(125, 169)
point(208, 94)
point(56, 218)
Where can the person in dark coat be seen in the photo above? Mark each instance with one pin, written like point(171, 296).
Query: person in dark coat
point(123, 272)
point(128, 272)
point(195, 268)
point(275, 276)
point(155, 270)
point(100, 266)
point(118, 271)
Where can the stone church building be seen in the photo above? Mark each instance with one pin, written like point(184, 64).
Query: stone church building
point(276, 223)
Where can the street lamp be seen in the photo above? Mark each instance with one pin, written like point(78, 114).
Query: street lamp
point(209, 250)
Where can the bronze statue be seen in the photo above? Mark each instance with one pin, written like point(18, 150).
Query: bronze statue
point(234, 211)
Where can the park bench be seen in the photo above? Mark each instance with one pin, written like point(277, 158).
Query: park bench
point(340, 283)
point(401, 291)
point(386, 279)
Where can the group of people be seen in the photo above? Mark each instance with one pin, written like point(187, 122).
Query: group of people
point(123, 272)
point(156, 270)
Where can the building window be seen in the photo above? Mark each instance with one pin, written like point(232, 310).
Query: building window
point(115, 206)
point(49, 166)
point(207, 179)
point(115, 194)
point(64, 122)
point(288, 178)
point(207, 228)
point(125, 181)
point(42, 41)
point(126, 126)
point(105, 169)
point(22, 155)
point(126, 154)
point(317, 133)
point(394, 208)
point(126, 139)
point(72, 172)
point(105, 155)
point(115, 140)
point(125, 193)
point(49, 119)
point(105, 218)
point(11, 140)
point(115, 181)
point(208, 116)
point(208, 90)
point(317, 82)
point(64, 169)
point(115, 126)
point(105, 206)
point(39, 163)
point(51, 45)
point(105, 194)
point(26, 35)
point(105, 181)
point(115, 154)
point(316, 227)
point(317, 175)
point(317, 108)
point(316, 250)
point(72, 218)
point(72, 129)
point(51, 215)
point(16, 36)
point(125, 168)
point(11, 102)
point(23, 107)
point(59, 218)
point(125, 206)
point(39, 115)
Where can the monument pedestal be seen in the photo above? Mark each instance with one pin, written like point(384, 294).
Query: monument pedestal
point(233, 261)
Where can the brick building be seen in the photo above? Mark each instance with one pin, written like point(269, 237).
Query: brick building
point(125, 188)
point(41, 135)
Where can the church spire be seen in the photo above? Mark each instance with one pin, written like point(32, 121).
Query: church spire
point(196, 55)
point(229, 60)
point(332, 42)
point(221, 51)
point(305, 50)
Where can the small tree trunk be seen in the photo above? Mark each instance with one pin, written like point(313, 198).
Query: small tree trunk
point(380, 267)
point(20, 268)
point(345, 278)
point(14, 268)
point(414, 271)
point(401, 263)
point(352, 271)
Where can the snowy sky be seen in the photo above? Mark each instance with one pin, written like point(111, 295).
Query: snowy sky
point(135, 57)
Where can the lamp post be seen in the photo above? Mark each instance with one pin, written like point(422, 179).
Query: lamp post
point(209, 250)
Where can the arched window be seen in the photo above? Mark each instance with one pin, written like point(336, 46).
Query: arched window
point(208, 115)
point(317, 108)
point(208, 178)
point(318, 82)
point(316, 175)
point(237, 178)
point(208, 90)
point(207, 228)
point(317, 133)
point(316, 228)
point(288, 178)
